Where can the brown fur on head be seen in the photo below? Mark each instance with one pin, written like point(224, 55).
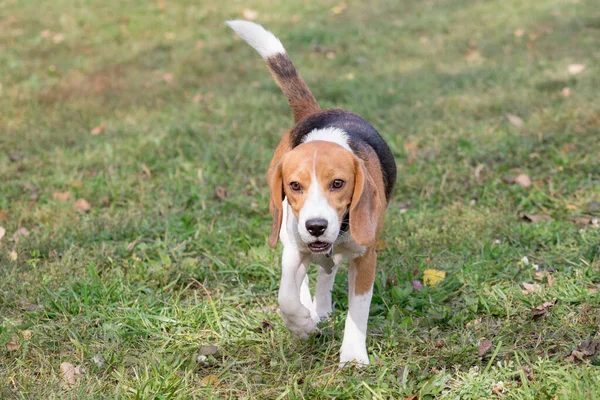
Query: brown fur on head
point(325, 164)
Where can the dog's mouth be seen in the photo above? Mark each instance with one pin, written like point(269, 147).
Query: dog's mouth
point(319, 247)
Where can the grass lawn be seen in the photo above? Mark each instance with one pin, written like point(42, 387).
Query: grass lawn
point(137, 290)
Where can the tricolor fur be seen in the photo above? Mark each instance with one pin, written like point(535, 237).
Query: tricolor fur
point(330, 179)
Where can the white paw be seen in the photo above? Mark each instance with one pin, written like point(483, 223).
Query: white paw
point(324, 309)
point(353, 354)
point(300, 322)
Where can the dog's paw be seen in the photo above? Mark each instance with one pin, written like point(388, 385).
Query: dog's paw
point(353, 355)
point(300, 322)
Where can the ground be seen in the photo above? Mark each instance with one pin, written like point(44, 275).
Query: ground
point(161, 284)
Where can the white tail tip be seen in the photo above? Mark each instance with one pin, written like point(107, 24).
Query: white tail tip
point(258, 37)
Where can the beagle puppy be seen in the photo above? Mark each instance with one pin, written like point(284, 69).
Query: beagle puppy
point(330, 179)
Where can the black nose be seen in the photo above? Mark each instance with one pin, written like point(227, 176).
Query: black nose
point(316, 227)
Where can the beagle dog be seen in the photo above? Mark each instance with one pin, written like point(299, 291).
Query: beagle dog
point(330, 179)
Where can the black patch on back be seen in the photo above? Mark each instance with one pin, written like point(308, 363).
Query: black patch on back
point(360, 134)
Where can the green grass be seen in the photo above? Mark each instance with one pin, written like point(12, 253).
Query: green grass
point(161, 267)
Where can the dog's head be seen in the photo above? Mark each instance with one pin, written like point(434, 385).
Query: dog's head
point(323, 181)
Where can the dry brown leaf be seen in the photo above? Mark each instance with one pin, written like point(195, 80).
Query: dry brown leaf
point(3, 214)
point(381, 244)
point(542, 310)
point(221, 192)
point(530, 288)
point(76, 184)
point(200, 44)
point(210, 380)
point(536, 218)
point(46, 33)
point(584, 350)
point(575, 69)
point(581, 221)
point(62, 196)
point(168, 77)
point(566, 92)
point(146, 171)
point(415, 397)
point(410, 147)
point(82, 205)
point(523, 180)
point(68, 373)
point(26, 334)
point(484, 346)
point(515, 120)
point(21, 232)
point(2, 233)
point(339, 8)
point(105, 201)
point(13, 255)
point(390, 280)
point(98, 130)
point(519, 32)
point(208, 350)
point(12, 346)
point(249, 14)
point(58, 38)
point(475, 322)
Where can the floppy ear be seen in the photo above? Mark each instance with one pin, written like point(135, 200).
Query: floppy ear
point(365, 207)
point(275, 205)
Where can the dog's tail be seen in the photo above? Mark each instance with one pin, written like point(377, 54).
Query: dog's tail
point(298, 95)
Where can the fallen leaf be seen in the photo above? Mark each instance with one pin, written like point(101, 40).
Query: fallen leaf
point(566, 92)
point(68, 373)
point(534, 218)
point(432, 277)
point(339, 8)
point(523, 180)
point(208, 350)
point(210, 380)
point(26, 334)
point(2, 232)
point(76, 184)
point(498, 388)
point(58, 38)
point(105, 201)
point(3, 214)
point(410, 147)
point(475, 322)
point(249, 14)
point(221, 192)
point(530, 288)
point(12, 346)
point(542, 310)
point(200, 44)
point(168, 77)
point(264, 327)
point(98, 130)
point(82, 205)
point(46, 33)
point(514, 120)
point(390, 280)
point(415, 397)
point(22, 232)
point(592, 206)
point(381, 244)
point(584, 350)
point(581, 221)
point(439, 344)
point(146, 171)
point(484, 346)
point(13, 255)
point(575, 69)
point(62, 196)
point(519, 32)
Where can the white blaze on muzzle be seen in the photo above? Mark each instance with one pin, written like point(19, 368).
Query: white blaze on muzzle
point(316, 206)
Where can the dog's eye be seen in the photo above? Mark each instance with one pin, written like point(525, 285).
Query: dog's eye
point(296, 186)
point(337, 184)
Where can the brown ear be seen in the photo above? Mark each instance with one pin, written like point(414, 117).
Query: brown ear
point(275, 205)
point(365, 207)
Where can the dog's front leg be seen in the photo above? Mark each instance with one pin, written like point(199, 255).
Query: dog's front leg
point(361, 276)
point(296, 317)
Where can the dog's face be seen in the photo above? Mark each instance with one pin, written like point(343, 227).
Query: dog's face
point(322, 181)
